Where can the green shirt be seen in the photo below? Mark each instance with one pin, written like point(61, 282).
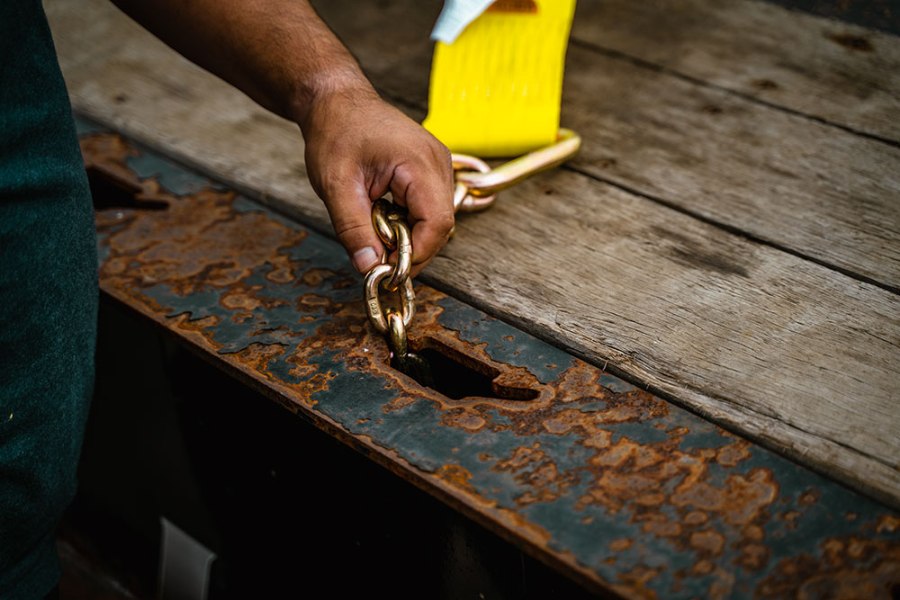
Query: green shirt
point(48, 301)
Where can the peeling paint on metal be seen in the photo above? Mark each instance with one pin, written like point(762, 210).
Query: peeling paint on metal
point(602, 479)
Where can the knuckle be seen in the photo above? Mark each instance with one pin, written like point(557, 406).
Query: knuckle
point(445, 221)
point(345, 230)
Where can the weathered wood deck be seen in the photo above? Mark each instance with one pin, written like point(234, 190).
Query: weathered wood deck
point(729, 235)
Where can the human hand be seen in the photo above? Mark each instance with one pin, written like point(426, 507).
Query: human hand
point(358, 148)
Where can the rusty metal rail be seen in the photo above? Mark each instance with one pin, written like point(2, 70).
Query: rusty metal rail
point(617, 489)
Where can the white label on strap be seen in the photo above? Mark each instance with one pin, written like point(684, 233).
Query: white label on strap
point(455, 17)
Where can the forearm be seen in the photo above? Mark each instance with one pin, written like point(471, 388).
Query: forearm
point(278, 52)
point(358, 148)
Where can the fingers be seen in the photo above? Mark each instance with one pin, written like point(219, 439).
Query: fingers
point(351, 214)
point(356, 152)
point(427, 192)
point(424, 187)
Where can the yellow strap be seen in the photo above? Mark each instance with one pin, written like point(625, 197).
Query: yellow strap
point(496, 90)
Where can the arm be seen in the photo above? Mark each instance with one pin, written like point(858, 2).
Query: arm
point(281, 54)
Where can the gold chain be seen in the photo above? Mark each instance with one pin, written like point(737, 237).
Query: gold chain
point(390, 223)
point(477, 186)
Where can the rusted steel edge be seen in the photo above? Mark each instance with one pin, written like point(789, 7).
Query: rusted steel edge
point(430, 484)
point(619, 490)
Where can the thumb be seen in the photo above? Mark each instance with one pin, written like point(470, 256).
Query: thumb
point(350, 210)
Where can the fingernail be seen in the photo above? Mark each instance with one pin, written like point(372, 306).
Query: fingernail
point(365, 259)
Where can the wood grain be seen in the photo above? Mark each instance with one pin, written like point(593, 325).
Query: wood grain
point(799, 185)
point(778, 347)
point(836, 72)
point(703, 150)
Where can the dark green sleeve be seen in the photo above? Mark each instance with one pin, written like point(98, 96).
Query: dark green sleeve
point(48, 301)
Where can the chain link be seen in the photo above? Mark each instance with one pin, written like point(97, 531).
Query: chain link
point(377, 314)
point(484, 184)
point(397, 335)
point(463, 200)
point(476, 189)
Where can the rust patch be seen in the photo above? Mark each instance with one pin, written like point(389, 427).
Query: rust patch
point(695, 517)
point(546, 483)
point(659, 525)
point(205, 245)
point(313, 384)
point(456, 476)
point(754, 533)
point(530, 531)
point(620, 544)
point(753, 557)
point(398, 403)
point(193, 327)
point(722, 586)
point(598, 439)
point(107, 153)
point(521, 457)
point(731, 455)
point(887, 523)
point(740, 502)
point(464, 419)
point(708, 542)
point(257, 356)
point(537, 473)
point(315, 302)
point(838, 572)
point(241, 297)
point(790, 518)
point(635, 582)
point(282, 270)
point(314, 277)
point(809, 497)
point(188, 245)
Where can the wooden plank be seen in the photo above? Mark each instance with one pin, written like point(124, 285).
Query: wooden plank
point(700, 149)
point(836, 72)
point(801, 186)
point(780, 348)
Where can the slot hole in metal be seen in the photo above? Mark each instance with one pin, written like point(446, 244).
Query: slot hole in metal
point(458, 376)
point(109, 191)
